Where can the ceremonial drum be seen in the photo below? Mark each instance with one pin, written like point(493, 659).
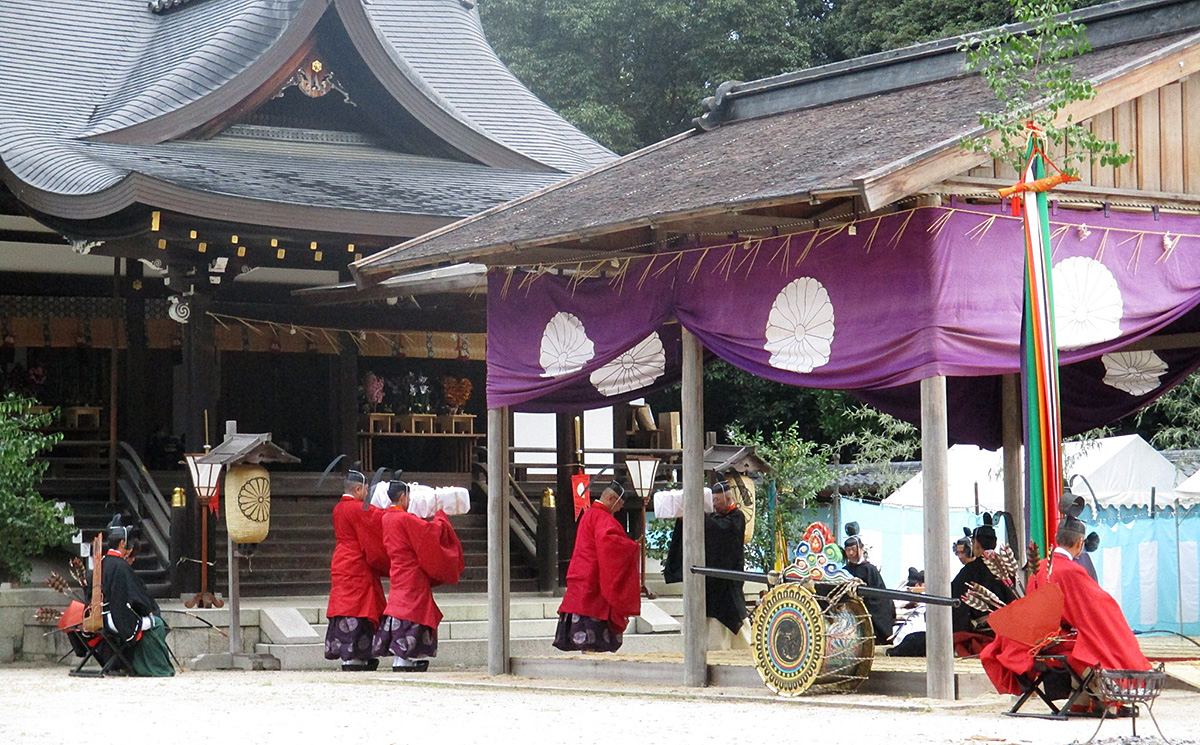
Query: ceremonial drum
point(805, 640)
point(247, 503)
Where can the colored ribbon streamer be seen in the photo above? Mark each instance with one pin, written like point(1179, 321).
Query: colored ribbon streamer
point(1039, 358)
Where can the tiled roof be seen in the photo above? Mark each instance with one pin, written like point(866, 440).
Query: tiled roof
point(106, 88)
point(788, 153)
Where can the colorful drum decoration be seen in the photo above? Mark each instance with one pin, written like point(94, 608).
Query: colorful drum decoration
point(849, 645)
point(789, 639)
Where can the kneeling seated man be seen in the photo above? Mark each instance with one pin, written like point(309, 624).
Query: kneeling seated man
point(1102, 638)
point(131, 615)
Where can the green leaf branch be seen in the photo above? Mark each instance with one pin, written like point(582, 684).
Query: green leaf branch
point(1028, 69)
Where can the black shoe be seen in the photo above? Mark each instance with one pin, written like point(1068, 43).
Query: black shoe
point(357, 667)
point(373, 665)
point(418, 666)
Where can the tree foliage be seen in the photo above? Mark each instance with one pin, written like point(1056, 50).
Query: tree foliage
point(631, 72)
point(853, 28)
point(28, 524)
point(799, 470)
point(1030, 73)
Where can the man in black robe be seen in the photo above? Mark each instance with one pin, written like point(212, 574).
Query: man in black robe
point(132, 617)
point(881, 610)
point(724, 548)
point(966, 618)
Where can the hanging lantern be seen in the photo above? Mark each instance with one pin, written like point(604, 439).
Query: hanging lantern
point(247, 503)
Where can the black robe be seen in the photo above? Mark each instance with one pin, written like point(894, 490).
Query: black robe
point(975, 571)
point(126, 599)
point(724, 599)
point(881, 610)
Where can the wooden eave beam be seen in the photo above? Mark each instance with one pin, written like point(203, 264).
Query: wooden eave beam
point(1098, 195)
point(946, 159)
point(1164, 341)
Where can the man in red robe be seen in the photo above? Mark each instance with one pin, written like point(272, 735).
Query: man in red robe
point(422, 554)
point(356, 591)
point(1102, 637)
point(603, 588)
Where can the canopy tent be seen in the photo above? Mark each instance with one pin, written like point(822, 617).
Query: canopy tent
point(1188, 491)
point(872, 306)
point(969, 469)
point(1120, 470)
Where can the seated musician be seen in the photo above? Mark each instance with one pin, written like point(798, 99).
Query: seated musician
point(132, 618)
point(965, 618)
point(1094, 631)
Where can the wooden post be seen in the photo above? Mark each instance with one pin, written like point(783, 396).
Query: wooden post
point(201, 390)
point(695, 632)
point(499, 656)
point(939, 640)
point(1014, 489)
point(567, 455)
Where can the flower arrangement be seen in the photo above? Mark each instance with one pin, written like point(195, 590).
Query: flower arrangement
point(372, 392)
point(456, 392)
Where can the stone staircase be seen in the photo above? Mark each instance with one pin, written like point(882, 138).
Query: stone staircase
point(78, 476)
point(294, 559)
point(298, 640)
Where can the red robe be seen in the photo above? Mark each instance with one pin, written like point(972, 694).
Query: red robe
point(423, 555)
point(1103, 637)
point(358, 562)
point(602, 579)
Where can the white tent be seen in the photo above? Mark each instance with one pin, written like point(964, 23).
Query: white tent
point(970, 468)
point(1121, 471)
point(1187, 493)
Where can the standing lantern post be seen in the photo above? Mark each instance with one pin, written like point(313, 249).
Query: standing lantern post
point(247, 520)
point(206, 480)
point(641, 473)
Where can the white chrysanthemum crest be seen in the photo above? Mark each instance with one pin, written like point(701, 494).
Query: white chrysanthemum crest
point(800, 327)
point(1136, 373)
point(565, 347)
point(1087, 303)
point(635, 368)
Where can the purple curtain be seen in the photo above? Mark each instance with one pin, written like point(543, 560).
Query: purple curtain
point(872, 309)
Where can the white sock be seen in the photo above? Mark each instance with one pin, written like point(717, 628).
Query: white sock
point(401, 662)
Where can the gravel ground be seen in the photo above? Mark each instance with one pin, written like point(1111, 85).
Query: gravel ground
point(43, 705)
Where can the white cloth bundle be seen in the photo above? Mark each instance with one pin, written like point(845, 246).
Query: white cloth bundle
point(668, 504)
point(422, 500)
point(453, 500)
point(379, 497)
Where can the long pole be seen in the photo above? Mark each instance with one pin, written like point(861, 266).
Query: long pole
point(1014, 485)
point(1178, 567)
point(940, 634)
point(695, 637)
point(112, 382)
point(497, 569)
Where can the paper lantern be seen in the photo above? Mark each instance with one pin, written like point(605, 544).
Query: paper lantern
point(247, 503)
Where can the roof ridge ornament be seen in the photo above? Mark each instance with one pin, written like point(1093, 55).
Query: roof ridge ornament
point(314, 80)
point(715, 108)
point(164, 6)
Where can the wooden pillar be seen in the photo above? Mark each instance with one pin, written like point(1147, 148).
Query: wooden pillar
point(499, 656)
point(1014, 487)
point(201, 391)
point(695, 625)
point(134, 374)
point(567, 454)
point(346, 435)
point(939, 640)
